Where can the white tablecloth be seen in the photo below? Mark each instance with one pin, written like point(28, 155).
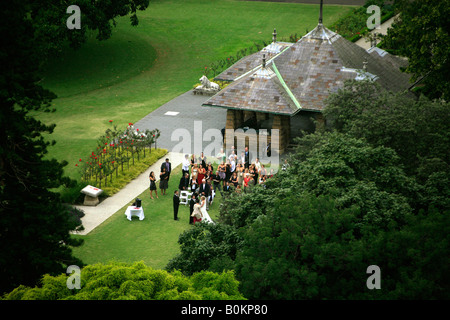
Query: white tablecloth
point(134, 211)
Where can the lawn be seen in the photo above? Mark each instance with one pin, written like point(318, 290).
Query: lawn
point(140, 68)
point(152, 240)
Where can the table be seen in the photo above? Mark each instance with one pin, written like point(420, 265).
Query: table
point(135, 211)
point(91, 195)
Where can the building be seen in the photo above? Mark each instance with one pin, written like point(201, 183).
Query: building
point(284, 86)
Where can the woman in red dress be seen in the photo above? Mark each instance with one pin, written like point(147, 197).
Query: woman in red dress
point(247, 179)
point(201, 173)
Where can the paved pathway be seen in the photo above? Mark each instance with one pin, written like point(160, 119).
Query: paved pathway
point(383, 30)
point(94, 216)
point(183, 111)
point(180, 113)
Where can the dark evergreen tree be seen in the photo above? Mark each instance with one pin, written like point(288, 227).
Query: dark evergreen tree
point(34, 224)
point(422, 35)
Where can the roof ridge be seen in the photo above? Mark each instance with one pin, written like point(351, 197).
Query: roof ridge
point(285, 87)
point(325, 34)
point(260, 65)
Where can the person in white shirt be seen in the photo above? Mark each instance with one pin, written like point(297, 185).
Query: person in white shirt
point(221, 156)
point(257, 165)
point(185, 165)
point(233, 166)
point(285, 165)
point(232, 156)
point(243, 159)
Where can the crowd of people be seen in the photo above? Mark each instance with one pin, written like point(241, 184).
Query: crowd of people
point(203, 180)
point(199, 175)
point(232, 173)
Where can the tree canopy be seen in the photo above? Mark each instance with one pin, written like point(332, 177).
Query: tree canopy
point(309, 248)
point(422, 35)
point(417, 130)
point(34, 225)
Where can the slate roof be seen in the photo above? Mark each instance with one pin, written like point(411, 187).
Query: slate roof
point(311, 69)
point(252, 61)
point(380, 63)
point(260, 91)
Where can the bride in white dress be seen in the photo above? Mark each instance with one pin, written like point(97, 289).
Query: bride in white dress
point(205, 214)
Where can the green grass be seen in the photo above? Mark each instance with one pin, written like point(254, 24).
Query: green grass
point(136, 71)
point(152, 240)
point(126, 57)
point(140, 68)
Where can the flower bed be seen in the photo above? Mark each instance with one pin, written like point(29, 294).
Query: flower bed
point(120, 156)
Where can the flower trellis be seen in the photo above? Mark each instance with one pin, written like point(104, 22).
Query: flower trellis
point(115, 150)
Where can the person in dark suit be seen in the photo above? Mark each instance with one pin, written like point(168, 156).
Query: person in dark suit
point(163, 181)
point(204, 189)
point(216, 182)
point(184, 182)
point(191, 207)
point(247, 158)
point(176, 205)
point(227, 188)
point(168, 166)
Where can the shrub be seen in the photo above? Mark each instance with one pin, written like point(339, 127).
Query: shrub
point(124, 281)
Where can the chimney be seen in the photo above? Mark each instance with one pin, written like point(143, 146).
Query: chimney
point(365, 62)
point(264, 60)
point(274, 34)
point(321, 11)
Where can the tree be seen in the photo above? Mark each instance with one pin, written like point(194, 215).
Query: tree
point(34, 225)
point(354, 173)
point(206, 246)
point(413, 259)
point(418, 131)
point(422, 35)
point(299, 250)
point(306, 247)
point(252, 203)
point(122, 281)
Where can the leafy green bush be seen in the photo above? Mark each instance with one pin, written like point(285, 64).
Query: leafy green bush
point(353, 26)
point(206, 245)
point(123, 281)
